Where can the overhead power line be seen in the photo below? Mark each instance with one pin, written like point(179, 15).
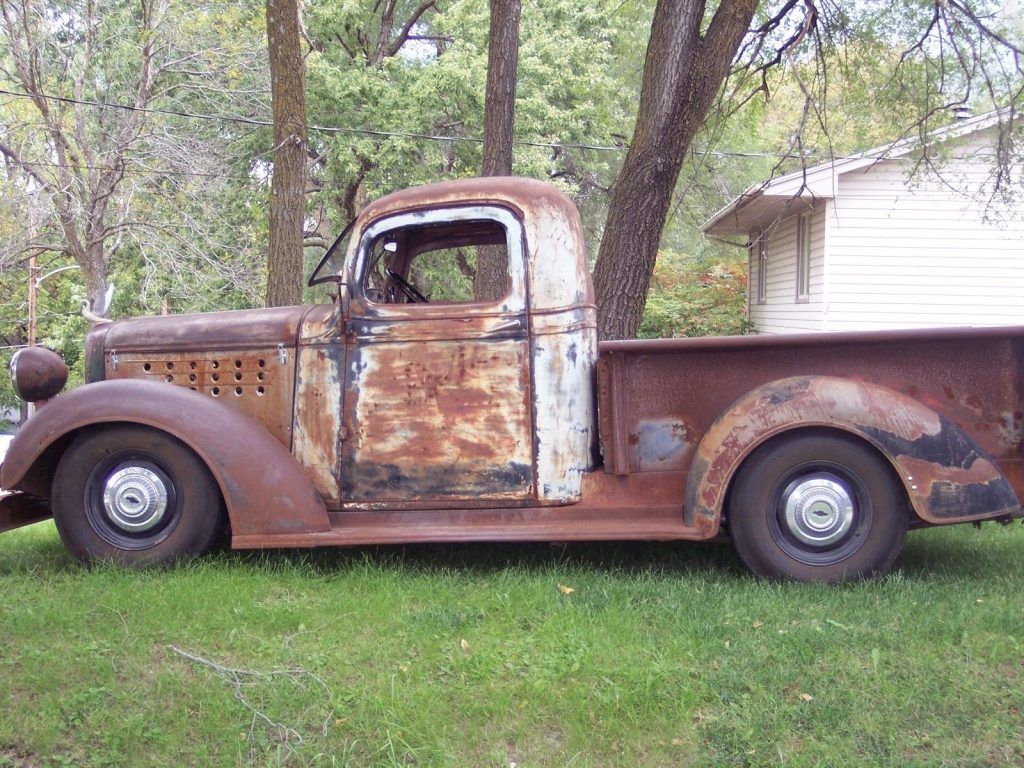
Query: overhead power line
point(135, 170)
point(353, 131)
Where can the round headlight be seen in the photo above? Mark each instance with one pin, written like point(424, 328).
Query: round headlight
point(37, 374)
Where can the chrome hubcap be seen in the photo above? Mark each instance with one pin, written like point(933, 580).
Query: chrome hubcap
point(135, 499)
point(818, 509)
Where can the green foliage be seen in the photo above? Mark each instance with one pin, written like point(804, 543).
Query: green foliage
point(446, 274)
point(691, 297)
point(565, 94)
point(197, 189)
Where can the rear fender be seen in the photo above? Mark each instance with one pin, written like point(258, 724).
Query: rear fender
point(265, 490)
point(948, 478)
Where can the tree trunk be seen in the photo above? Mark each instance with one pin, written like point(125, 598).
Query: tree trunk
point(489, 282)
point(288, 186)
point(94, 275)
point(682, 74)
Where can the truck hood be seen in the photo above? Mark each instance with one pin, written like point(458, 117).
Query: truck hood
point(241, 329)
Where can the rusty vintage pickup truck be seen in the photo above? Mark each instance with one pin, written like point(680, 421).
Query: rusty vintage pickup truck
point(402, 413)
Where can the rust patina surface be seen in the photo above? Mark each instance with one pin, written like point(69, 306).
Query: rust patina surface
point(945, 406)
point(40, 373)
point(264, 490)
point(475, 402)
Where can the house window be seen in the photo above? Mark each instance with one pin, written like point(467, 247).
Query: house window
point(803, 257)
point(761, 253)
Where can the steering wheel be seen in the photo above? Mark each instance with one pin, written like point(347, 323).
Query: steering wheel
point(407, 288)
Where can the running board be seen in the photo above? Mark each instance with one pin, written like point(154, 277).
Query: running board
point(569, 523)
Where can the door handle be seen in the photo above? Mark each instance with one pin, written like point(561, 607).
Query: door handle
point(511, 325)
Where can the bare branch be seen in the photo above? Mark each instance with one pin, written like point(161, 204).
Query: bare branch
point(403, 33)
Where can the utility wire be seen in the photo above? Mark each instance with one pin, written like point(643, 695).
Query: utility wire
point(134, 170)
point(356, 131)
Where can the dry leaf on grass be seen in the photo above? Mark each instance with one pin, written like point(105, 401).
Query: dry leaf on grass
point(565, 590)
point(806, 697)
point(464, 645)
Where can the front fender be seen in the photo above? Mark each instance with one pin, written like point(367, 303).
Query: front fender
point(265, 490)
point(948, 478)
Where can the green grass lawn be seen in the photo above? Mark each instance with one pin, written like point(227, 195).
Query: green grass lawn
point(481, 655)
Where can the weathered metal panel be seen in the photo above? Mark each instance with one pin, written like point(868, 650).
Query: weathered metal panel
point(265, 490)
point(947, 477)
point(644, 506)
point(437, 395)
point(319, 389)
point(666, 394)
point(239, 329)
point(564, 357)
point(438, 419)
point(559, 276)
point(612, 410)
point(257, 383)
point(94, 357)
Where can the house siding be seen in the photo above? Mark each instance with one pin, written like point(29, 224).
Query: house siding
point(931, 251)
point(781, 313)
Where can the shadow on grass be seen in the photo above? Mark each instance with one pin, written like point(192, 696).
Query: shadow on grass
point(961, 552)
point(947, 554)
point(486, 558)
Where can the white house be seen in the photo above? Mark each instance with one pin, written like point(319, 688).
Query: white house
point(886, 239)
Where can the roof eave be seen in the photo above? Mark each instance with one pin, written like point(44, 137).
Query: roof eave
point(758, 213)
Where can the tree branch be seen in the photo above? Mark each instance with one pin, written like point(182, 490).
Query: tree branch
point(403, 33)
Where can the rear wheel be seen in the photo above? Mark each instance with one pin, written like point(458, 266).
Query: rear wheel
point(817, 507)
point(135, 495)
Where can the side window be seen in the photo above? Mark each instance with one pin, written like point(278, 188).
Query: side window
point(759, 252)
point(434, 263)
point(803, 257)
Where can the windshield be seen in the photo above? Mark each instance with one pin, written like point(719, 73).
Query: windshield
point(329, 268)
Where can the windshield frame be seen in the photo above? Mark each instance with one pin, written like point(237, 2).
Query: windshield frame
point(315, 278)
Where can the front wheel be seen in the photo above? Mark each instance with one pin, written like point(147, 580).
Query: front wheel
point(134, 495)
point(816, 507)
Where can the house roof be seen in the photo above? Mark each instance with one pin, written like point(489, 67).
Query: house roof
point(763, 203)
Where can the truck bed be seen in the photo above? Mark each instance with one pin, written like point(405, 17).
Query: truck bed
point(657, 398)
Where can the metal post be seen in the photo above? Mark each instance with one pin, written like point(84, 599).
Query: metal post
point(33, 273)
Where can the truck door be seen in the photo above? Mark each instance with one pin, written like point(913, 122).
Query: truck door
point(437, 400)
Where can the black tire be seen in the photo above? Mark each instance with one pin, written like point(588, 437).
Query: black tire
point(137, 467)
point(817, 507)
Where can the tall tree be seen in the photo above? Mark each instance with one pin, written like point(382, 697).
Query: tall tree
point(77, 157)
point(953, 50)
point(358, 50)
point(499, 123)
point(288, 184)
point(683, 72)
point(104, 170)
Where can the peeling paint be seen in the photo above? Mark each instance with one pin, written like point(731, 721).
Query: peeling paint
point(948, 477)
point(662, 444)
point(564, 357)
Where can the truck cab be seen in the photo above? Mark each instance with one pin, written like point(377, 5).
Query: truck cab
point(447, 399)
